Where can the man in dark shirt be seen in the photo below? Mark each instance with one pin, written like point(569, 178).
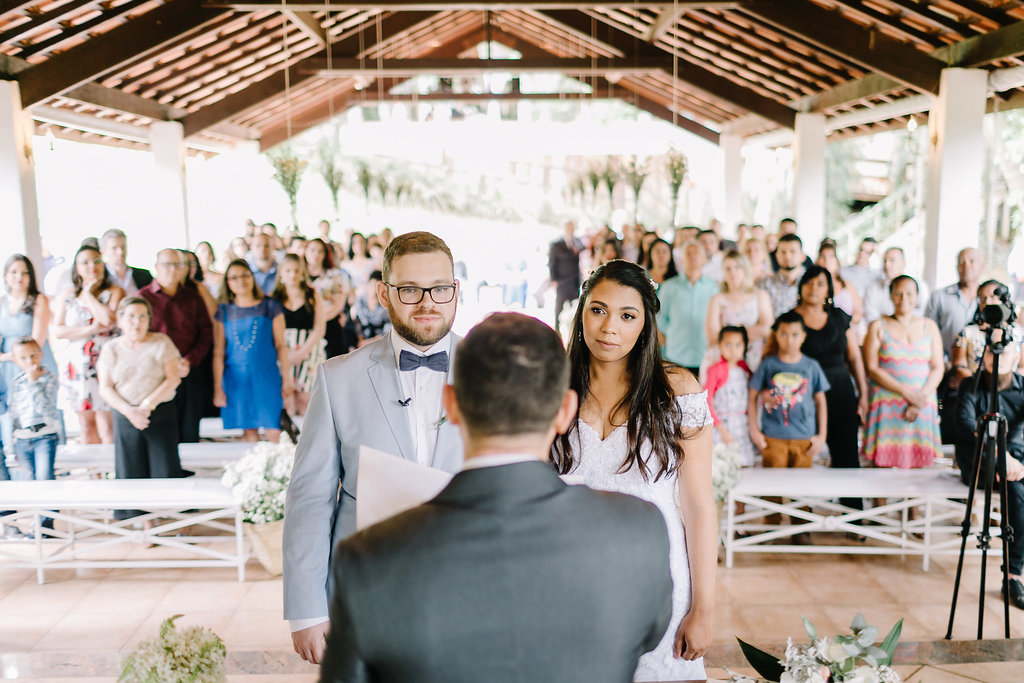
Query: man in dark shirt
point(181, 314)
point(564, 269)
point(975, 402)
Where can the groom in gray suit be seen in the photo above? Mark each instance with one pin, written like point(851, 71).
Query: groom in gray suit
point(386, 395)
point(508, 574)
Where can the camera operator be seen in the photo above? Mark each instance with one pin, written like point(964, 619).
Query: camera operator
point(974, 401)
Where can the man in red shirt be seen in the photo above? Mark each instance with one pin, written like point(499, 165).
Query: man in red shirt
point(179, 312)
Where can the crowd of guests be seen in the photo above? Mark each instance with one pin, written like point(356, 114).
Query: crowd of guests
point(141, 356)
point(803, 359)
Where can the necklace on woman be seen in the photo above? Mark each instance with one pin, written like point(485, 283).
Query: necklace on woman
point(253, 331)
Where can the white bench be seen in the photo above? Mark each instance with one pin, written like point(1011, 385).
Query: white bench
point(84, 509)
point(811, 500)
point(205, 455)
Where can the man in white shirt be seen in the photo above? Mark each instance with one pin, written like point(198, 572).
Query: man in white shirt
point(385, 395)
point(860, 274)
point(877, 301)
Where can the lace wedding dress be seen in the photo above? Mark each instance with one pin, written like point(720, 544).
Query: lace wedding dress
point(599, 464)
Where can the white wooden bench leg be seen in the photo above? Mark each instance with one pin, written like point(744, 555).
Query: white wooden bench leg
point(240, 545)
point(38, 539)
point(926, 559)
point(730, 528)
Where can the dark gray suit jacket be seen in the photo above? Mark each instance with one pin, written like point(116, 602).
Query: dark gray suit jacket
point(508, 575)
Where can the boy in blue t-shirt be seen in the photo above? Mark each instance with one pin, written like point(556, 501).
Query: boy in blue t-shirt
point(792, 388)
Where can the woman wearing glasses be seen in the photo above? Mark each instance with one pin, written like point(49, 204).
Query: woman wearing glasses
point(250, 356)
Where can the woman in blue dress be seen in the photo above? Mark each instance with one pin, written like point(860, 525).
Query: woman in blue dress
point(250, 356)
point(24, 312)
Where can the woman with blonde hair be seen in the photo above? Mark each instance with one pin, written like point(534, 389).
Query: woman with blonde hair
point(739, 304)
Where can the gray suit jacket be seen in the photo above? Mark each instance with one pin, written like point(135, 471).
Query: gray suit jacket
point(354, 403)
point(507, 576)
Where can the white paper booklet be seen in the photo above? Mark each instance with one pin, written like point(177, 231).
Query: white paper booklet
point(389, 485)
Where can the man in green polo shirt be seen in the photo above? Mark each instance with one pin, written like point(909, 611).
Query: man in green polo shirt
point(684, 305)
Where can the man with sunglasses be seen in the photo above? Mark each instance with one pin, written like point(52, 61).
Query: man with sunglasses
point(385, 395)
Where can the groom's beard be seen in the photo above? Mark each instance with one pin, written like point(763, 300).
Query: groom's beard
point(420, 336)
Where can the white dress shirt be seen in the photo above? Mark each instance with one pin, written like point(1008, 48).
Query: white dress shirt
point(497, 460)
point(424, 386)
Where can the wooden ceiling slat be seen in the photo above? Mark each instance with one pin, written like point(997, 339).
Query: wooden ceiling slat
point(924, 13)
point(9, 7)
point(40, 21)
point(927, 37)
point(830, 32)
point(274, 86)
point(980, 9)
point(67, 33)
point(117, 46)
point(224, 46)
point(693, 74)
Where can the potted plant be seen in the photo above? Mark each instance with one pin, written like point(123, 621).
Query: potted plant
point(194, 655)
point(260, 481)
point(288, 168)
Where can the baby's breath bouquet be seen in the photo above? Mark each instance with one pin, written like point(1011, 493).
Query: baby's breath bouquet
point(260, 479)
point(195, 655)
point(725, 469)
point(844, 659)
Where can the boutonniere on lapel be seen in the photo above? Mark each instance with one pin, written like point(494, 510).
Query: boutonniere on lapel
point(437, 425)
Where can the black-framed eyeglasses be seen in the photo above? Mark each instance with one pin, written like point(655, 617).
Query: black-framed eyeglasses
point(411, 295)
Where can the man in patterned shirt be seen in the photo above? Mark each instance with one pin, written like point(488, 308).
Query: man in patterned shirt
point(782, 285)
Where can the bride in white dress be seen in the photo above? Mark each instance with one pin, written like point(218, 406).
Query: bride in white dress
point(642, 430)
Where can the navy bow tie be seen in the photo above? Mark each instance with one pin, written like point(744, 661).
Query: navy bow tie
point(411, 361)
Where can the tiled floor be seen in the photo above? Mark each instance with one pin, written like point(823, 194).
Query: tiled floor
point(78, 625)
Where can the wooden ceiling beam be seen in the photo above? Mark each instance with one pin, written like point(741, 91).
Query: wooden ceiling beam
point(664, 113)
point(892, 21)
point(602, 92)
point(481, 5)
point(690, 73)
point(830, 32)
point(1002, 43)
point(274, 85)
point(308, 24)
point(98, 55)
point(467, 67)
point(9, 7)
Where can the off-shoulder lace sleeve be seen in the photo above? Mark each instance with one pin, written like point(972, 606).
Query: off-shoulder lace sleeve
point(695, 411)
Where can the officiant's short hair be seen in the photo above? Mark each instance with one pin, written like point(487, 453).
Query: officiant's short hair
point(511, 374)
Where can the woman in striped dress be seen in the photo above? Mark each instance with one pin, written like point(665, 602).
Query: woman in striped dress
point(903, 354)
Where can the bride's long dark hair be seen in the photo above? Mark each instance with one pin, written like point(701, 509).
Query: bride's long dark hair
point(652, 412)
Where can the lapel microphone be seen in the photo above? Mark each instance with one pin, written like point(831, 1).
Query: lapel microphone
point(405, 403)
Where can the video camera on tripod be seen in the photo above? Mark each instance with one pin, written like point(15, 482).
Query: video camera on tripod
point(1000, 316)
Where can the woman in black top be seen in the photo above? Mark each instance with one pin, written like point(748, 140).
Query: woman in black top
point(832, 343)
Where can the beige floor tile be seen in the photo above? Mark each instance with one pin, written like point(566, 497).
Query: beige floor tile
point(188, 595)
point(728, 624)
point(257, 630)
point(772, 624)
point(930, 674)
point(990, 672)
point(267, 594)
point(752, 586)
point(275, 678)
point(87, 632)
point(21, 632)
point(58, 597)
point(124, 596)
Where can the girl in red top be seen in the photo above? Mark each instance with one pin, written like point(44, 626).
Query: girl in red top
point(726, 383)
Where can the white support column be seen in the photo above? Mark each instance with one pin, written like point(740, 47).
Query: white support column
point(167, 143)
point(19, 209)
point(732, 176)
point(954, 205)
point(809, 180)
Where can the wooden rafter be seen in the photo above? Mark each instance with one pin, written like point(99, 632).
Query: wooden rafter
point(274, 85)
point(436, 5)
point(41, 20)
point(696, 76)
point(308, 24)
point(830, 32)
point(1002, 43)
point(892, 21)
point(462, 67)
point(112, 49)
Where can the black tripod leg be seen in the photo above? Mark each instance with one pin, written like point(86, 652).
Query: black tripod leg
point(1005, 530)
point(965, 529)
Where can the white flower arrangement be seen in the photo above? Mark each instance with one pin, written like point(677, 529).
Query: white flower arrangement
point(194, 655)
point(725, 469)
point(844, 659)
point(260, 479)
